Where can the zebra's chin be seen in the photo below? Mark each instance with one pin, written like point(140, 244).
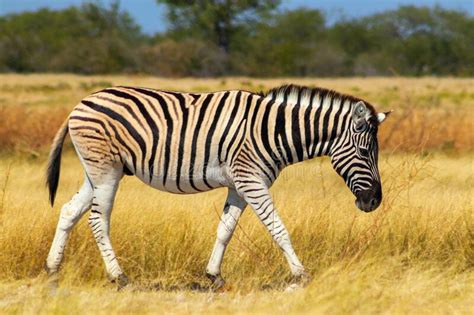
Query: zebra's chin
point(363, 207)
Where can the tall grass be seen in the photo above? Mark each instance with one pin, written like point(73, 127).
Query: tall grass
point(414, 254)
point(429, 113)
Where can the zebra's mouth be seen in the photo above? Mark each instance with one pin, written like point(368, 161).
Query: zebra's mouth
point(367, 203)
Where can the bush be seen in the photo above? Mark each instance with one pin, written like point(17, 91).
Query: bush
point(186, 58)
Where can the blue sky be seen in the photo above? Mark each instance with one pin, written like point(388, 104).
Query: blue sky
point(151, 17)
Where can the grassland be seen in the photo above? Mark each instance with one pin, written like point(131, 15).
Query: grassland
point(430, 113)
point(413, 255)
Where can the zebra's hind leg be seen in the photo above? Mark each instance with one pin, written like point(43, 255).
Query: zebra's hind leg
point(99, 222)
point(233, 209)
point(71, 212)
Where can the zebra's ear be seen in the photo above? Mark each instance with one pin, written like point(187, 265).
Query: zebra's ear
point(382, 116)
point(360, 110)
point(359, 116)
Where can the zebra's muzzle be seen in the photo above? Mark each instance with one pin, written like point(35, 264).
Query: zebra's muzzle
point(369, 200)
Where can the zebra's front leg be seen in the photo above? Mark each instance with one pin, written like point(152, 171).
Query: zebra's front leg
point(259, 198)
point(233, 209)
point(99, 221)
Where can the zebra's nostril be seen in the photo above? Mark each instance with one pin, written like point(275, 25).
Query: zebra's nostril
point(373, 202)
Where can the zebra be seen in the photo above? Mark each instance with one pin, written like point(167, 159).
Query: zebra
point(187, 143)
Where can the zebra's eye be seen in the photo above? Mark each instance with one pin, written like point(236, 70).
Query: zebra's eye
point(361, 127)
point(364, 152)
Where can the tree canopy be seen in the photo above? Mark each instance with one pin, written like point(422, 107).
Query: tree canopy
point(241, 37)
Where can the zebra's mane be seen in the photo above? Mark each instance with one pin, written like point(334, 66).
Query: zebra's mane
point(291, 92)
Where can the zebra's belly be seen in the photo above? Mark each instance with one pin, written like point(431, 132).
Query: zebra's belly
point(214, 176)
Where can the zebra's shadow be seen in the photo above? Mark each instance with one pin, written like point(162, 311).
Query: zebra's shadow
point(159, 286)
point(197, 287)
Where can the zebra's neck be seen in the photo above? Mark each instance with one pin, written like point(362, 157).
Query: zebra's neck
point(307, 123)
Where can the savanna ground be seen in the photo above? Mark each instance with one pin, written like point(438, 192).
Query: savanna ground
point(412, 255)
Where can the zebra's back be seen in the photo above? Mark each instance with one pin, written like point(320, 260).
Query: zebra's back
point(177, 142)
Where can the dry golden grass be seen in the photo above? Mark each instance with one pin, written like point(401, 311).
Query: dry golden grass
point(415, 254)
point(430, 113)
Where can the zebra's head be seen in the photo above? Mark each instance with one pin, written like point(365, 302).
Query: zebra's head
point(355, 156)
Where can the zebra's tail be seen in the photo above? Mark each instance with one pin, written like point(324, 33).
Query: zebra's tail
point(54, 161)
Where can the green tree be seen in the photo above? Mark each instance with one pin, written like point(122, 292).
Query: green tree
point(215, 20)
point(292, 42)
point(239, 37)
point(86, 39)
point(410, 40)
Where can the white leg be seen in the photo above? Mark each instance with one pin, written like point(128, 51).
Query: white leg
point(258, 197)
point(233, 209)
point(99, 221)
point(71, 212)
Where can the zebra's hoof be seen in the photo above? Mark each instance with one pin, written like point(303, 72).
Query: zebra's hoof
point(52, 282)
point(121, 280)
point(217, 282)
point(49, 271)
point(301, 280)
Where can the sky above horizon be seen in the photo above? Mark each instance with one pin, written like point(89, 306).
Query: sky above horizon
point(151, 17)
